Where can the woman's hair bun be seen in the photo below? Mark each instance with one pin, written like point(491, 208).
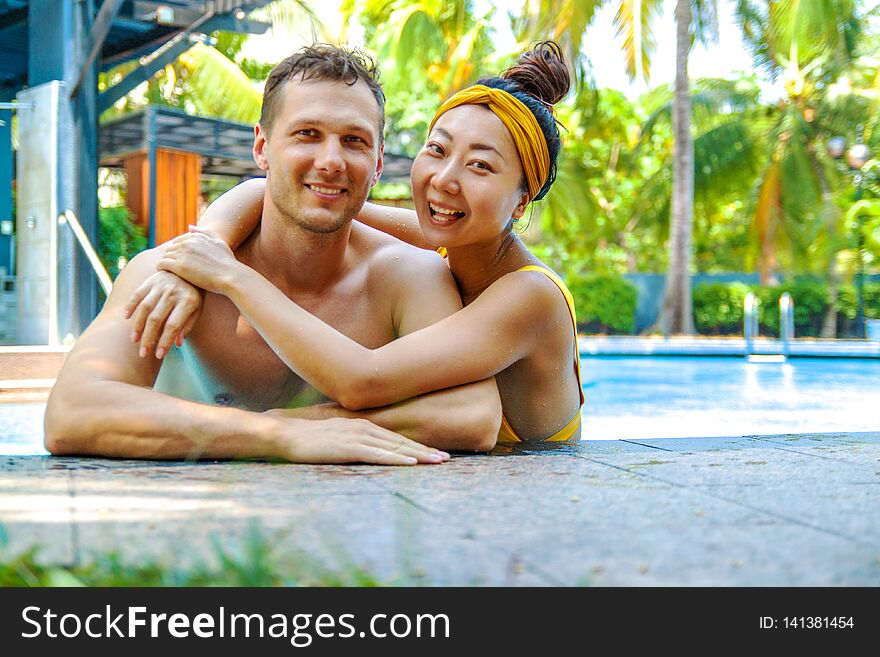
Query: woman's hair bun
point(541, 72)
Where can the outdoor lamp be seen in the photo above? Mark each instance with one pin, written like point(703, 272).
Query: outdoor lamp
point(836, 147)
point(857, 156)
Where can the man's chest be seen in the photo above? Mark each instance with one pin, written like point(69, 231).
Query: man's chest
point(248, 372)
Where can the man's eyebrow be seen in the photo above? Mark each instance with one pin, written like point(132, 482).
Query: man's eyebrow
point(473, 147)
point(351, 127)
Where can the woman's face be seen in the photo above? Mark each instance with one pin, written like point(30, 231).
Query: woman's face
point(467, 180)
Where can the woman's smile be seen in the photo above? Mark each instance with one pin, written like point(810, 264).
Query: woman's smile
point(443, 215)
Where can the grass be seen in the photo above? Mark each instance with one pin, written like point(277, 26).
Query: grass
point(254, 562)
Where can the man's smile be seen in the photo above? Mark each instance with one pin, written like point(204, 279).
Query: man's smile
point(325, 190)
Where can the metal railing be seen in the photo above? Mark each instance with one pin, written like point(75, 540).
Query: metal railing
point(786, 322)
point(103, 277)
point(750, 321)
point(751, 306)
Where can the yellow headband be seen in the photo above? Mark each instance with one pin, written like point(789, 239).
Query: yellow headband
point(519, 120)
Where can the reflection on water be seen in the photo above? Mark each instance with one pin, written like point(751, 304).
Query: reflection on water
point(693, 397)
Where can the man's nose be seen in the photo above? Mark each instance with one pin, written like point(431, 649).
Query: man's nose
point(330, 156)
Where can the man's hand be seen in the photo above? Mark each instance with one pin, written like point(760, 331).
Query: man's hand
point(343, 440)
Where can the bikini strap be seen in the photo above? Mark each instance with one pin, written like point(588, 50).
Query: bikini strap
point(570, 301)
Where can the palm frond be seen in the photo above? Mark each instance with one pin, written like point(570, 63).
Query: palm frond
point(295, 20)
point(218, 87)
point(634, 22)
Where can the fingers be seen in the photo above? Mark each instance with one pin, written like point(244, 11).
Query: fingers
point(144, 308)
point(187, 327)
point(173, 328)
point(154, 323)
point(138, 296)
point(390, 442)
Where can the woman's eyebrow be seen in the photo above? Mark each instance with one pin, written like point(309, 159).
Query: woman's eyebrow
point(474, 147)
point(486, 147)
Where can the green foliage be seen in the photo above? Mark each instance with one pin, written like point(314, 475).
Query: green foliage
point(254, 561)
point(718, 308)
point(605, 303)
point(118, 237)
point(810, 299)
point(847, 301)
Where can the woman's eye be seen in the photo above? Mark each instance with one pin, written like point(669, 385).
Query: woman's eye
point(482, 166)
point(434, 148)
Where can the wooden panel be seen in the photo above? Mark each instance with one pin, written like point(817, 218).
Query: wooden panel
point(178, 176)
point(137, 193)
point(178, 182)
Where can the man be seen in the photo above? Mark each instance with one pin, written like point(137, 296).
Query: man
point(319, 141)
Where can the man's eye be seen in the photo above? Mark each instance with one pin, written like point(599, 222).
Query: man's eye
point(308, 132)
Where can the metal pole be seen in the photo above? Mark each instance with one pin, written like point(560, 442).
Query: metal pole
point(860, 270)
point(150, 119)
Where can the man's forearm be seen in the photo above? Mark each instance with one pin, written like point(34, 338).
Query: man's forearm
point(109, 418)
point(465, 418)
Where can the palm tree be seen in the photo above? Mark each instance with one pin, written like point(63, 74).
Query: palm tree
point(635, 20)
point(812, 47)
point(204, 80)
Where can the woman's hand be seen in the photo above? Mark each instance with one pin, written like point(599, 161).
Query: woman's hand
point(201, 258)
point(165, 307)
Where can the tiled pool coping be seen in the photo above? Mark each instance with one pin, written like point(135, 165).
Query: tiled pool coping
point(793, 510)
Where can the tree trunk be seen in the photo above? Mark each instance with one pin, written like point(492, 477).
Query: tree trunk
point(677, 315)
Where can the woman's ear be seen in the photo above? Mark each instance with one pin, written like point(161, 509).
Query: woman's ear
point(521, 206)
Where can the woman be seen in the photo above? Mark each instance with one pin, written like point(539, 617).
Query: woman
point(491, 150)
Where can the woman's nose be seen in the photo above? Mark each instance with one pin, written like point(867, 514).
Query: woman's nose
point(446, 179)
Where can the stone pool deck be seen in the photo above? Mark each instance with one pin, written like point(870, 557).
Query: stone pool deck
point(794, 510)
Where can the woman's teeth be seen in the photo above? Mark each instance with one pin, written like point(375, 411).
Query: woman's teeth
point(444, 214)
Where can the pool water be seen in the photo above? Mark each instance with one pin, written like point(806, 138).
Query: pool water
point(666, 397)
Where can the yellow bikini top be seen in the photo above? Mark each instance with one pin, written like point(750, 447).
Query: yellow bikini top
point(506, 434)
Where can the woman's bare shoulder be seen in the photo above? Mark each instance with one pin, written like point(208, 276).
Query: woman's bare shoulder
point(530, 297)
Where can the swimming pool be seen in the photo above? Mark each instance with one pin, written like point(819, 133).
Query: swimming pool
point(666, 397)
point(679, 397)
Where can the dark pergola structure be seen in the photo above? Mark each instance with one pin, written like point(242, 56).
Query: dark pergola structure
point(165, 153)
point(50, 54)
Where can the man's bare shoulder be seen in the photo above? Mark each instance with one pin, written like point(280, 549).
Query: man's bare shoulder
point(388, 256)
point(415, 283)
point(105, 350)
point(138, 268)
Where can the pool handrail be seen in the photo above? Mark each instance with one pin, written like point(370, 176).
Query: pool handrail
point(750, 321)
point(69, 218)
point(786, 321)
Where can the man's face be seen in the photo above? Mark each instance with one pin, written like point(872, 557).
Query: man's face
point(323, 154)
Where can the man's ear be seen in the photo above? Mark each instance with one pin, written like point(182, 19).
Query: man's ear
point(379, 165)
point(521, 206)
point(260, 148)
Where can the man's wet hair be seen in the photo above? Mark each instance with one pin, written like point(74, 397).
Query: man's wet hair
point(322, 61)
